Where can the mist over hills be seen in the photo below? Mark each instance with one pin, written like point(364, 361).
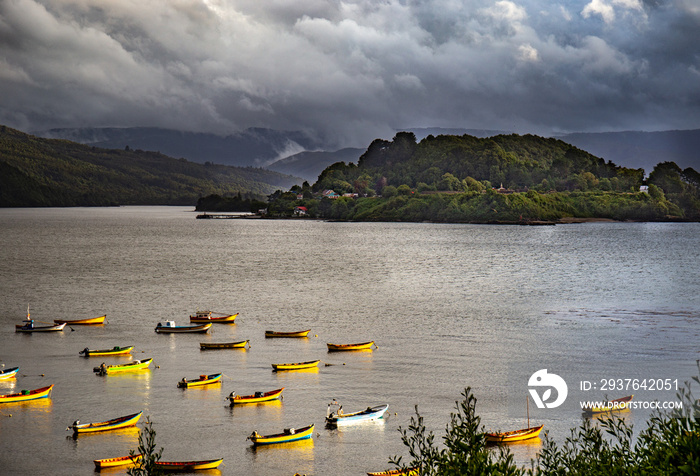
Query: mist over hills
point(298, 154)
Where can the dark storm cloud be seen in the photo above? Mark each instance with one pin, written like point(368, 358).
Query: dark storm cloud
point(351, 71)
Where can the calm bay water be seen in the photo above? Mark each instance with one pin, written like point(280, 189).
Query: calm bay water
point(449, 306)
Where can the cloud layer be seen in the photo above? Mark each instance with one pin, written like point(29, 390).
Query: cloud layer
point(350, 71)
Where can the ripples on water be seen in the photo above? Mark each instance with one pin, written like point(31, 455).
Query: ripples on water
point(449, 306)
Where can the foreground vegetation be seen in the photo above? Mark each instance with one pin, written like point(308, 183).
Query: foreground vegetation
point(670, 445)
point(503, 179)
point(37, 172)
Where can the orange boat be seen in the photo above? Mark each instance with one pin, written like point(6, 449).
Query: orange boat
point(203, 317)
point(90, 321)
point(515, 435)
point(395, 472)
point(257, 397)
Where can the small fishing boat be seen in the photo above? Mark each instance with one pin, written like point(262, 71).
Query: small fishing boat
point(131, 366)
point(170, 328)
point(223, 345)
point(395, 472)
point(287, 334)
point(114, 424)
point(296, 366)
point(617, 405)
point(188, 466)
point(358, 346)
point(287, 436)
point(515, 435)
point(116, 350)
point(25, 395)
point(202, 380)
point(114, 462)
point(337, 417)
point(90, 321)
point(29, 326)
point(257, 397)
point(203, 317)
point(8, 373)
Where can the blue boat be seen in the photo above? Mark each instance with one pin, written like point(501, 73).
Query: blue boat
point(337, 417)
point(170, 328)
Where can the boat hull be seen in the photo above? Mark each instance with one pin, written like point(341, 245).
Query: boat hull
point(395, 472)
point(296, 366)
point(24, 396)
point(26, 329)
point(286, 437)
point(266, 397)
point(9, 373)
point(183, 329)
point(115, 424)
point(516, 435)
point(223, 345)
point(115, 462)
point(90, 321)
point(100, 353)
point(130, 367)
point(348, 347)
point(372, 413)
point(287, 334)
point(207, 380)
point(188, 466)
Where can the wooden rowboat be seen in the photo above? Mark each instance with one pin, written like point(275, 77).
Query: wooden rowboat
point(617, 405)
point(287, 334)
point(90, 321)
point(296, 366)
point(188, 466)
point(339, 418)
point(116, 350)
point(8, 373)
point(114, 424)
point(25, 395)
point(202, 380)
point(223, 345)
point(257, 397)
point(515, 435)
point(342, 347)
point(170, 328)
point(204, 317)
point(131, 366)
point(114, 462)
point(395, 472)
point(29, 326)
point(289, 435)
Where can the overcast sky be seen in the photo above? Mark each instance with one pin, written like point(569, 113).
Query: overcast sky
point(351, 71)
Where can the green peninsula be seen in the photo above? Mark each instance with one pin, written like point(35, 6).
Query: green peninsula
point(501, 179)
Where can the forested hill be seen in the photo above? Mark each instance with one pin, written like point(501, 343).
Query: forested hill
point(502, 179)
point(49, 172)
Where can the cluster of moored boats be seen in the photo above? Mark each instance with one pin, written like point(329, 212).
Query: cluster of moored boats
point(201, 322)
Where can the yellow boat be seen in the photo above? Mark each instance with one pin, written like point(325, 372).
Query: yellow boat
point(296, 366)
point(287, 334)
point(114, 462)
point(515, 435)
point(25, 395)
point(203, 317)
point(131, 366)
point(289, 435)
point(90, 321)
point(257, 397)
point(342, 347)
point(224, 345)
point(188, 466)
point(395, 472)
point(116, 350)
point(202, 380)
point(115, 424)
point(617, 405)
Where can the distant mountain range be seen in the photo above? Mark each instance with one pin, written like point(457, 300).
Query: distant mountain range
point(295, 153)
